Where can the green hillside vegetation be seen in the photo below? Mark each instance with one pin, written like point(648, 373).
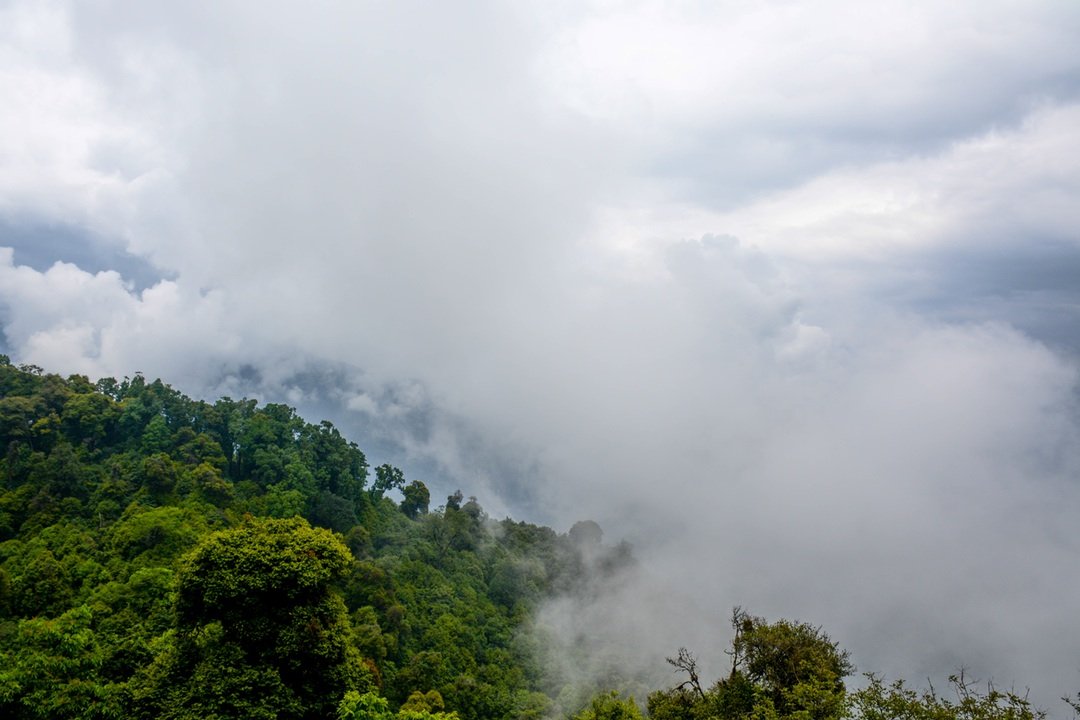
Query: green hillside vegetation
point(163, 557)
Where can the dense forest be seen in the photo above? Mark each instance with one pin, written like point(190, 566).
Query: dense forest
point(163, 557)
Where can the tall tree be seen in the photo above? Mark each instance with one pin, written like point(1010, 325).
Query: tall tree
point(782, 669)
point(259, 628)
point(416, 499)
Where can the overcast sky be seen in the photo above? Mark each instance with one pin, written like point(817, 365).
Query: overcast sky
point(785, 293)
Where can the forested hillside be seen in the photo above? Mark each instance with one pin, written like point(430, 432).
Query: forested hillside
point(168, 557)
point(163, 557)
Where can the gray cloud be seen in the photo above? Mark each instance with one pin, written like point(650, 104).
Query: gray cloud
point(765, 96)
point(41, 246)
point(487, 242)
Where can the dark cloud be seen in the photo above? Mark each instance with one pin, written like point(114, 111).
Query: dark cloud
point(39, 246)
point(1033, 285)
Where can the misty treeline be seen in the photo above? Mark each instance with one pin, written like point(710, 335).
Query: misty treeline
point(163, 557)
point(787, 669)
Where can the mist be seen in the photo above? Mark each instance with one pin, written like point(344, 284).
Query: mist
point(784, 296)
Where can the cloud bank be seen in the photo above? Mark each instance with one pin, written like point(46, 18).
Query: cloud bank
point(787, 295)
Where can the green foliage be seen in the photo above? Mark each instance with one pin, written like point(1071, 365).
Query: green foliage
point(779, 670)
point(203, 676)
point(798, 669)
point(610, 707)
point(431, 701)
point(387, 477)
point(365, 706)
point(416, 499)
point(369, 706)
point(155, 535)
point(103, 489)
point(107, 486)
point(793, 670)
point(45, 666)
point(255, 608)
point(260, 564)
point(897, 701)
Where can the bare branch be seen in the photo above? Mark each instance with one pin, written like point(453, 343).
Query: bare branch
point(686, 662)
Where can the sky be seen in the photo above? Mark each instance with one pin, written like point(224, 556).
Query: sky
point(786, 294)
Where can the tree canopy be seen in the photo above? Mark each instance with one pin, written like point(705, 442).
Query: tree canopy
point(168, 557)
point(255, 605)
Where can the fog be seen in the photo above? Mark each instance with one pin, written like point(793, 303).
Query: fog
point(784, 295)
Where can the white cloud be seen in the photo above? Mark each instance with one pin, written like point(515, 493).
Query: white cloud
point(363, 403)
point(75, 321)
point(69, 153)
point(998, 188)
point(833, 72)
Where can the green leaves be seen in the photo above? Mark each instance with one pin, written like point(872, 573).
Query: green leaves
point(45, 670)
point(364, 706)
point(111, 493)
point(800, 670)
point(416, 499)
point(256, 612)
point(787, 669)
point(780, 670)
point(387, 477)
point(897, 701)
point(261, 564)
point(369, 706)
point(610, 707)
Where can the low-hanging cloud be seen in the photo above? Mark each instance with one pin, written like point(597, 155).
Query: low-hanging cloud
point(765, 300)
